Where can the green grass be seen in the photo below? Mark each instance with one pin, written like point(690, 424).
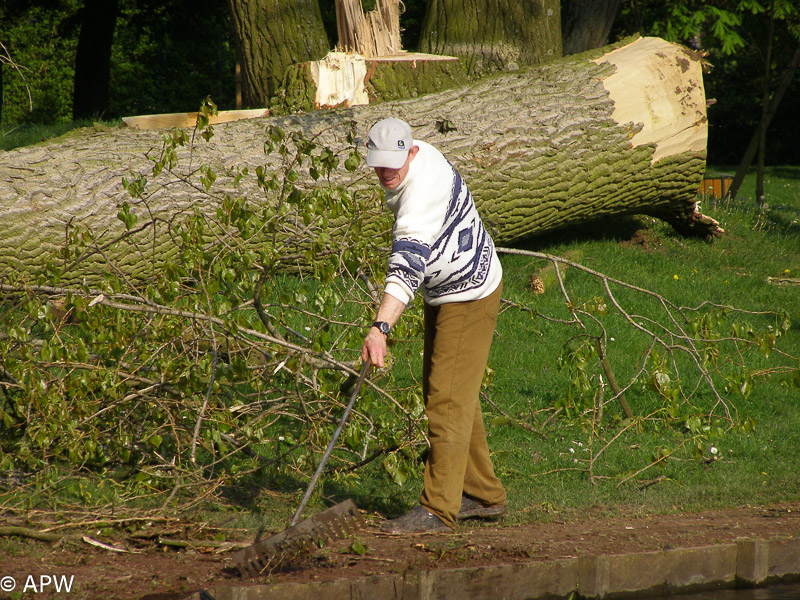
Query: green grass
point(756, 466)
point(28, 134)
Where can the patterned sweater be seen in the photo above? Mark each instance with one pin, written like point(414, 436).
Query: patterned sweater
point(438, 240)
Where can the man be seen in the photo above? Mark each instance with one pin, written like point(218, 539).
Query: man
point(439, 245)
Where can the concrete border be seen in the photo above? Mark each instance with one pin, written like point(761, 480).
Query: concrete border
point(745, 563)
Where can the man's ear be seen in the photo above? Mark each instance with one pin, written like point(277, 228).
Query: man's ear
point(412, 153)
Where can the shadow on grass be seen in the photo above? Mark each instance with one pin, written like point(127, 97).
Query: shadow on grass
point(375, 492)
point(611, 229)
point(787, 172)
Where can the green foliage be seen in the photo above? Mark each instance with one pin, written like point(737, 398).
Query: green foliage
point(166, 56)
point(217, 366)
point(39, 90)
point(719, 25)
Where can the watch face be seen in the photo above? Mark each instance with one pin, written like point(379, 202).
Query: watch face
point(383, 327)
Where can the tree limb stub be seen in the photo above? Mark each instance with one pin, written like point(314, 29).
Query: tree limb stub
point(542, 149)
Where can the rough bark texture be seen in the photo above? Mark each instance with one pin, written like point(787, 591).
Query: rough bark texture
point(493, 35)
point(270, 36)
point(542, 150)
point(586, 24)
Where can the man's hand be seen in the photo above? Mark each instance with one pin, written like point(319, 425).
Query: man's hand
point(374, 347)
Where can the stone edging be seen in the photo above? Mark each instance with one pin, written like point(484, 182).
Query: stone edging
point(745, 563)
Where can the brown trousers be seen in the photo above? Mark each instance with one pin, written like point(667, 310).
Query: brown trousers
point(457, 340)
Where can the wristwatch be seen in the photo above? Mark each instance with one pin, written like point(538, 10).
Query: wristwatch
point(383, 327)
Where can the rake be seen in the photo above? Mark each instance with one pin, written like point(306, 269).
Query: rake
point(304, 537)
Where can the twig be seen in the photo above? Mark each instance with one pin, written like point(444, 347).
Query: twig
point(197, 544)
point(35, 534)
point(104, 523)
point(612, 381)
point(517, 422)
point(108, 547)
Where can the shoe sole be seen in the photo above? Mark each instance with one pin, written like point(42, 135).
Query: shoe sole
point(484, 512)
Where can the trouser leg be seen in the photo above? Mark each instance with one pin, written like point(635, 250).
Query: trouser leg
point(457, 341)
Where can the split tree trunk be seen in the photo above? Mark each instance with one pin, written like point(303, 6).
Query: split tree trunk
point(375, 34)
point(618, 131)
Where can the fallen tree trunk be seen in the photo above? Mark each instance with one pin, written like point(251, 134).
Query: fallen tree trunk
point(617, 131)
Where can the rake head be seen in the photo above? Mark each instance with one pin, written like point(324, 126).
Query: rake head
point(299, 540)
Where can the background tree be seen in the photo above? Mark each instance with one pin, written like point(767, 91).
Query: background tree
point(586, 24)
point(166, 56)
point(270, 36)
point(509, 33)
point(93, 58)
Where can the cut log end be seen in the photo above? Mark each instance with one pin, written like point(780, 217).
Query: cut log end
point(694, 224)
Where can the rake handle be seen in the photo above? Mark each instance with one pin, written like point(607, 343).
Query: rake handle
point(361, 377)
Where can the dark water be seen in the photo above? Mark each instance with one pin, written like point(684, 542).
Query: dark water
point(790, 591)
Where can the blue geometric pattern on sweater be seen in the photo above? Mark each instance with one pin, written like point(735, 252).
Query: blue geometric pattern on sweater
point(459, 258)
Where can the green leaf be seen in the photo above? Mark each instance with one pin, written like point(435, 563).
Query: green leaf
point(358, 547)
point(126, 216)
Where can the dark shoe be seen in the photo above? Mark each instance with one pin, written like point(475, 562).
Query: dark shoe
point(417, 520)
point(471, 508)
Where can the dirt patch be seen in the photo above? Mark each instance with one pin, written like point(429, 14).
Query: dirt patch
point(172, 574)
point(644, 239)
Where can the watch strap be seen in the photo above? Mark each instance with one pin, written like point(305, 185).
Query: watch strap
point(383, 327)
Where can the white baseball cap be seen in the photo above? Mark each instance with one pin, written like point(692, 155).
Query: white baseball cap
point(388, 144)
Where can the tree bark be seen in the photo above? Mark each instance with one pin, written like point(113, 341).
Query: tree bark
point(493, 35)
point(762, 140)
point(93, 59)
point(586, 24)
point(617, 131)
point(270, 36)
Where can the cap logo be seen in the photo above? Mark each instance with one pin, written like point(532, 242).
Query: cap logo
point(401, 144)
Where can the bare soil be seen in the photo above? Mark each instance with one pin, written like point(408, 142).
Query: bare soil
point(157, 572)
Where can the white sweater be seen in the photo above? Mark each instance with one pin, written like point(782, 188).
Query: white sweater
point(438, 240)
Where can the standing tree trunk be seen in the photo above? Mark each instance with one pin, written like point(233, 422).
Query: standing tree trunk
point(586, 24)
point(493, 35)
point(93, 59)
point(270, 36)
point(614, 132)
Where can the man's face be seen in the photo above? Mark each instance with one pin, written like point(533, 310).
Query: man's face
point(391, 178)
